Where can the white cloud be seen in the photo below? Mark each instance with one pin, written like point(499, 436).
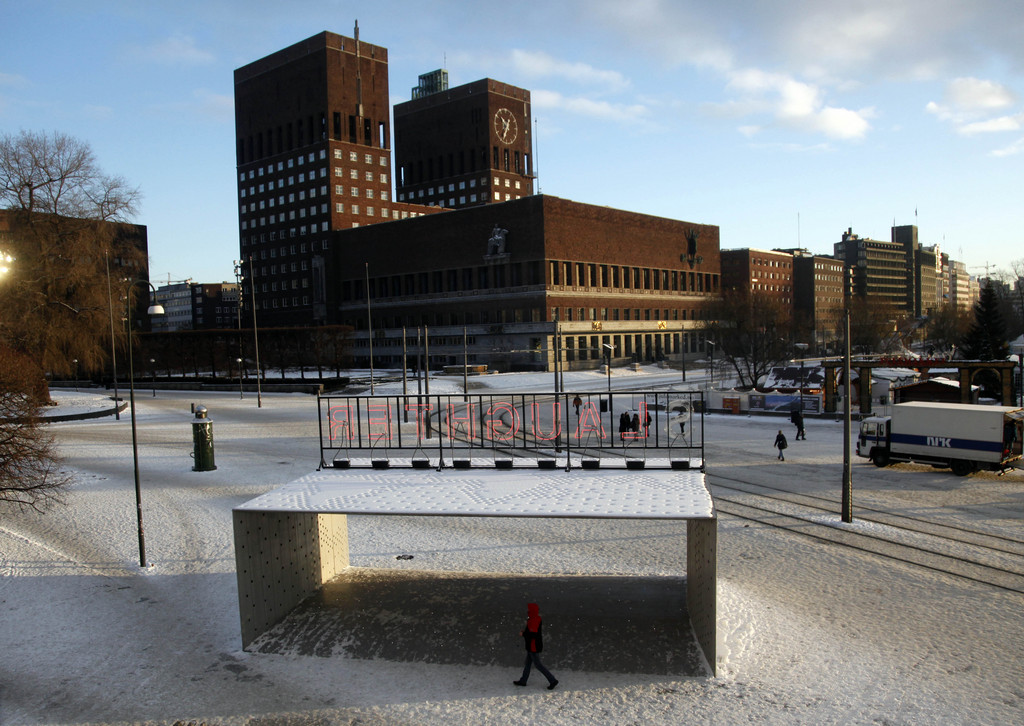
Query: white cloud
point(1003, 123)
point(1017, 147)
point(176, 50)
point(793, 104)
point(967, 103)
point(539, 64)
point(583, 106)
point(100, 113)
point(13, 80)
point(814, 51)
point(215, 105)
point(973, 94)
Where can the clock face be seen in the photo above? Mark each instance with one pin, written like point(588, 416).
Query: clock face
point(505, 126)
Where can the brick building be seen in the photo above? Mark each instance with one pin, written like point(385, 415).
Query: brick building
point(766, 273)
point(313, 153)
point(881, 271)
point(214, 305)
point(513, 274)
point(818, 297)
point(497, 277)
point(464, 146)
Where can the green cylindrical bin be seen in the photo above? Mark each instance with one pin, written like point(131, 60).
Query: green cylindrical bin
point(202, 441)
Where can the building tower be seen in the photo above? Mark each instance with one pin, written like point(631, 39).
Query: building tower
point(313, 154)
point(464, 146)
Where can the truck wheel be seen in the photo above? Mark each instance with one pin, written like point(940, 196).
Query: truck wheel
point(961, 467)
point(880, 458)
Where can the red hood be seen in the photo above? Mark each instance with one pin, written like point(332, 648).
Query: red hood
point(533, 616)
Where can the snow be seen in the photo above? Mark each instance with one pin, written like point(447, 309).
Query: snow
point(492, 493)
point(809, 632)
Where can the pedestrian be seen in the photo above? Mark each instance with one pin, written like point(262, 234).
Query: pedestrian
point(780, 444)
point(623, 425)
point(534, 641)
point(635, 423)
point(577, 402)
point(797, 418)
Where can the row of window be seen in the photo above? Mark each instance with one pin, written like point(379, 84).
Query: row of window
point(440, 190)
point(339, 190)
point(595, 275)
point(291, 135)
point(489, 277)
point(282, 165)
point(484, 316)
point(423, 171)
point(600, 314)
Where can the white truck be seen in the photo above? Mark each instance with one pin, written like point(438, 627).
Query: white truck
point(963, 437)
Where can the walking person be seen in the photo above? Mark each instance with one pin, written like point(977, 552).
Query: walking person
point(797, 418)
point(780, 444)
point(534, 641)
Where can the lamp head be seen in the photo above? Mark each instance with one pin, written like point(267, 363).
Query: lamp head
point(156, 309)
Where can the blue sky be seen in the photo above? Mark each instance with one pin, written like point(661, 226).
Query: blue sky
point(784, 123)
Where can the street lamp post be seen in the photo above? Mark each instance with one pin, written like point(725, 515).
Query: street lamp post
point(608, 348)
point(369, 323)
point(802, 347)
point(255, 331)
point(75, 361)
point(152, 374)
point(682, 351)
point(712, 360)
point(241, 393)
point(154, 309)
point(113, 340)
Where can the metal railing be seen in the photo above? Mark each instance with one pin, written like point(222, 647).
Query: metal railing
point(575, 429)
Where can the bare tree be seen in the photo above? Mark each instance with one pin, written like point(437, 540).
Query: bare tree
point(874, 325)
point(750, 331)
point(30, 473)
point(64, 224)
point(1015, 314)
point(946, 326)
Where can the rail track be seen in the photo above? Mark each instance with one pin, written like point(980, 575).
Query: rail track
point(985, 557)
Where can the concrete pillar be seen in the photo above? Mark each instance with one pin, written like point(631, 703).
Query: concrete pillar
point(702, 584)
point(281, 558)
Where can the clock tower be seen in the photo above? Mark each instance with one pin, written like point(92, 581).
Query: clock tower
point(465, 146)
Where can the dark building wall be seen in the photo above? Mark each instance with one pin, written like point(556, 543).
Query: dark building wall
point(463, 146)
point(313, 149)
point(309, 93)
point(561, 260)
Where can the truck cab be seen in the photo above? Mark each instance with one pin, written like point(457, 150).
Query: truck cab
point(873, 440)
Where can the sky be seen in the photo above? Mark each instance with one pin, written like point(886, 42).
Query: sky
point(783, 123)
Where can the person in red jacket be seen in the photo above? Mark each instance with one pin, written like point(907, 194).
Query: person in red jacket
point(534, 640)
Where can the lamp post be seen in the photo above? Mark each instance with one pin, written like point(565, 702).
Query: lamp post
point(238, 362)
point(238, 312)
point(802, 347)
point(154, 309)
point(712, 360)
point(608, 348)
point(113, 340)
point(152, 374)
point(75, 361)
point(369, 322)
point(682, 350)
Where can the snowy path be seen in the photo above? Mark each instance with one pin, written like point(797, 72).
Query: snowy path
point(811, 631)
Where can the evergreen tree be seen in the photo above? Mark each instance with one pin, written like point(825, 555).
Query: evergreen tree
point(986, 340)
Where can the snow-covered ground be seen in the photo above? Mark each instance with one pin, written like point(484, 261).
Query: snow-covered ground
point(810, 632)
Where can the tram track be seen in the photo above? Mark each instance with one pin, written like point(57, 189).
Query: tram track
point(994, 560)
